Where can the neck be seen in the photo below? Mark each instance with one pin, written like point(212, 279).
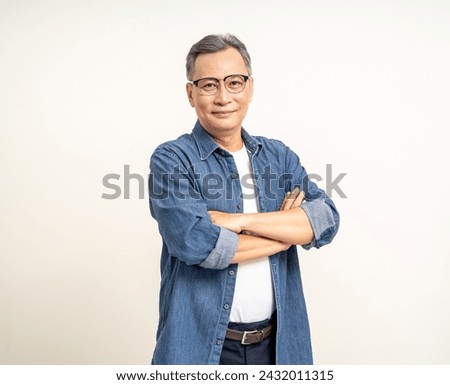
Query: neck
point(231, 143)
point(230, 140)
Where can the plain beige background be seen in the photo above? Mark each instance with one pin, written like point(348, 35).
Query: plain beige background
point(87, 87)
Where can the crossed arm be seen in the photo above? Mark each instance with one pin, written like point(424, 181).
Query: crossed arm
point(264, 234)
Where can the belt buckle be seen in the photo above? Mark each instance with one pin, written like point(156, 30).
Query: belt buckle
point(244, 337)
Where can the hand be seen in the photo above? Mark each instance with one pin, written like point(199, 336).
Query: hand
point(292, 199)
point(230, 221)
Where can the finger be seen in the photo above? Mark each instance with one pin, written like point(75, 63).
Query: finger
point(284, 201)
point(291, 199)
point(287, 203)
point(298, 201)
point(294, 194)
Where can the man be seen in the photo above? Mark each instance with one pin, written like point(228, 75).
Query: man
point(230, 215)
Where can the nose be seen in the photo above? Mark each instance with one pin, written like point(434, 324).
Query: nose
point(222, 96)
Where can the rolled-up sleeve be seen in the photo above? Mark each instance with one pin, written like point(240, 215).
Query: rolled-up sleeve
point(222, 254)
point(182, 215)
point(322, 221)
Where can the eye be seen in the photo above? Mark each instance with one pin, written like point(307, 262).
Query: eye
point(235, 82)
point(208, 84)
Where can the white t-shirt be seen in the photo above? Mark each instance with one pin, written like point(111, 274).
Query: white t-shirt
point(253, 295)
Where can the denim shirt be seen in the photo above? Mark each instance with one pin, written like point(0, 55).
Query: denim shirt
point(188, 177)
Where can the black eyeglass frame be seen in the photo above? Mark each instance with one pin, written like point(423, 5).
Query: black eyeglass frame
point(245, 77)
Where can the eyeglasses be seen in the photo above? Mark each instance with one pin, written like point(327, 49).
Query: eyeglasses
point(233, 84)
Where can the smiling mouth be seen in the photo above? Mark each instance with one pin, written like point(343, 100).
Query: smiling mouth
point(222, 113)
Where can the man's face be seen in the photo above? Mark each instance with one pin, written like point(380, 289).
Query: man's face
point(222, 113)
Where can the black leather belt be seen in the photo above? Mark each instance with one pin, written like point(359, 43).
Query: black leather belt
point(249, 337)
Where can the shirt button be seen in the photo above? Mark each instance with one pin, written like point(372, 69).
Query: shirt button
point(219, 342)
point(231, 272)
point(234, 176)
point(239, 206)
point(226, 306)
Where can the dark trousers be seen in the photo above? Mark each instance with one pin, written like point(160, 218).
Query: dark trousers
point(262, 353)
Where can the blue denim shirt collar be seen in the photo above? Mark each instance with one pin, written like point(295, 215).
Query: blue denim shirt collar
point(207, 145)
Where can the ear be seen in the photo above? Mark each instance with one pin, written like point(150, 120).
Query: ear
point(250, 89)
point(189, 87)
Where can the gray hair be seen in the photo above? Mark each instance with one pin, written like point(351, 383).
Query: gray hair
point(215, 43)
